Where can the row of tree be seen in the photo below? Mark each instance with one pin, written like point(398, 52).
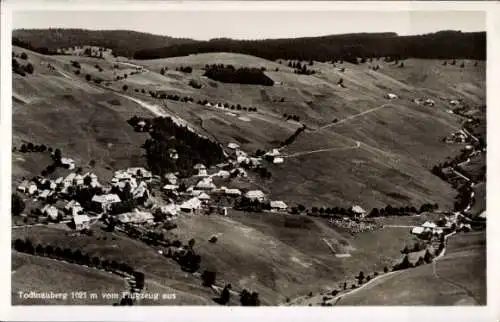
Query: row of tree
point(22, 69)
point(72, 256)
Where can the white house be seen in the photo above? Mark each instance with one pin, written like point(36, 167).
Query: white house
point(45, 194)
point(68, 181)
point(417, 230)
point(255, 195)
point(68, 163)
point(206, 184)
point(141, 191)
point(429, 102)
point(358, 211)
point(454, 102)
point(223, 174)
point(171, 178)
point(202, 170)
point(81, 221)
point(50, 211)
point(32, 189)
point(170, 210)
point(23, 187)
point(483, 215)
point(191, 206)
point(273, 152)
point(104, 202)
point(278, 160)
point(232, 192)
point(429, 225)
point(233, 146)
point(136, 217)
point(278, 205)
point(391, 96)
point(203, 196)
point(73, 207)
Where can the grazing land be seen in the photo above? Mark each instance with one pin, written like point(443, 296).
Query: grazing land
point(183, 171)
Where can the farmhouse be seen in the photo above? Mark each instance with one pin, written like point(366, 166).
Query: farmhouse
point(233, 146)
point(104, 202)
point(32, 189)
point(50, 211)
point(68, 163)
point(391, 96)
point(278, 160)
point(136, 217)
point(201, 169)
point(223, 174)
point(203, 197)
point(255, 195)
point(191, 206)
point(141, 191)
point(81, 221)
point(73, 207)
point(358, 211)
point(206, 184)
point(68, 181)
point(417, 230)
point(429, 102)
point(231, 192)
point(278, 205)
point(23, 187)
point(45, 194)
point(170, 210)
point(171, 178)
point(273, 152)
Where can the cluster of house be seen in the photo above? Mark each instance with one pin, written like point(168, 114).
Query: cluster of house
point(41, 188)
point(427, 227)
point(425, 102)
point(275, 155)
point(449, 222)
point(199, 194)
point(457, 137)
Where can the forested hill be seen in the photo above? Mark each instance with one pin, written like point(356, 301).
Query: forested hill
point(122, 42)
point(440, 45)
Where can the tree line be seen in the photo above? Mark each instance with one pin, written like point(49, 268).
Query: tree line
point(348, 47)
point(374, 213)
point(72, 256)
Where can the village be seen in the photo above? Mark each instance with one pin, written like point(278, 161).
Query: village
point(135, 196)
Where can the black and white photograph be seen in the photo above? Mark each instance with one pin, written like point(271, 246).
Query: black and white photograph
point(248, 158)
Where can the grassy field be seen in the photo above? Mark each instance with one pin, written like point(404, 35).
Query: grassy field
point(114, 246)
point(277, 255)
point(286, 256)
point(459, 279)
point(37, 274)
